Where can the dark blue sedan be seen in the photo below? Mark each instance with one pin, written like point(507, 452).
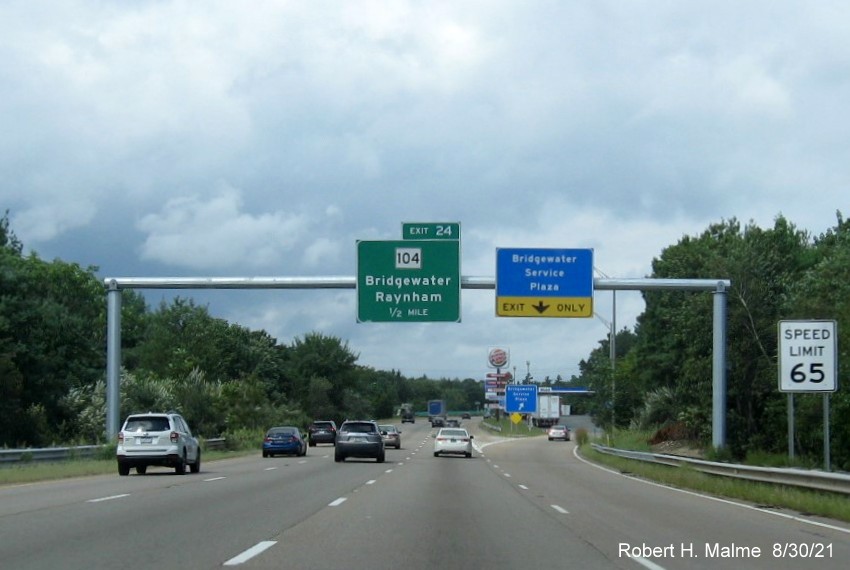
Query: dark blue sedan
point(284, 440)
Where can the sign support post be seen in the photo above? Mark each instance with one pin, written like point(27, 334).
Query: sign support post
point(808, 362)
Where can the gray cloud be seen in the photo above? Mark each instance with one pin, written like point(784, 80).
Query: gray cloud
point(160, 138)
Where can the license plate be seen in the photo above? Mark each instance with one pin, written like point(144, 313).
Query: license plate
point(144, 439)
point(453, 440)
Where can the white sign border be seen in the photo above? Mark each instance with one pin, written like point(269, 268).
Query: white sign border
point(782, 364)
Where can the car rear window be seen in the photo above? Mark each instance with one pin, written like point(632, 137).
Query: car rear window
point(453, 432)
point(147, 424)
point(323, 425)
point(283, 431)
point(359, 428)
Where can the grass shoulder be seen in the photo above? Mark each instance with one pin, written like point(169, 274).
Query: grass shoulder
point(804, 501)
point(25, 473)
point(507, 428)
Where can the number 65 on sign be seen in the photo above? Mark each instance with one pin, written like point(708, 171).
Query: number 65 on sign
point(808, 356)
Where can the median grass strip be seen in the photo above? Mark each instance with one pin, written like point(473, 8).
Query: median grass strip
point(807, 502)
point(24, 473)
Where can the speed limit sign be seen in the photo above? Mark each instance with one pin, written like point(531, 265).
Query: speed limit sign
point(808, 356)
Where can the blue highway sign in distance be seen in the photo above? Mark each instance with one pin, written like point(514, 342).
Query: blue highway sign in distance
point(521, 398)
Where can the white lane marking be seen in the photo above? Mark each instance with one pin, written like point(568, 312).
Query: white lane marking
point(338, 502)
point(250, 553)
point(100, 500)
point(302, 462)
point(388, 471)
point(647, 563)
point(270, 468)
point(719, 500)
point(214, 479)
point(507, 474)
point(523, 487)
point(561, 510)
point(370, 482)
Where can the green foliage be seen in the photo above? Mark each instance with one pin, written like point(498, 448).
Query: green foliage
point(582, 437)
point(244, 438)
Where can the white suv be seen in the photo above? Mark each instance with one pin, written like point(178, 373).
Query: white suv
point(157, 439)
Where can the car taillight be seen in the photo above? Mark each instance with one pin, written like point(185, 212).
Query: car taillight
point(441, 439)
point(267, 439)
point(174, 437)
point(120, 437)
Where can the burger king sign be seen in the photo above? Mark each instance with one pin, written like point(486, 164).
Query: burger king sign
point(498, 357)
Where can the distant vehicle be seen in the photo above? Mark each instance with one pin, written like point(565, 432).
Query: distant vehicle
point(157, 439)
point(559, 431)
point(452, 423)
point(391, 436)
point(548, 410)
point(453, 440)
point(438, 422)
point(465, 416)
point(407, 416)
point(359, 439)
point(284, 440)
point(436, 408)
point(322, 431)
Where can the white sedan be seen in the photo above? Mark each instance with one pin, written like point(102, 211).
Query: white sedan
point(453, 440)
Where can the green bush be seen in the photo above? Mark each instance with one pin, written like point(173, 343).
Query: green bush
point(244, 438)
point(582, 437)
point(106, 452)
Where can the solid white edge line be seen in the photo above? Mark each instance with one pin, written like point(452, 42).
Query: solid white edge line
point(717, 499)
point(250, 553)
point(101, 499)
point(214, 479)
point(338, 502)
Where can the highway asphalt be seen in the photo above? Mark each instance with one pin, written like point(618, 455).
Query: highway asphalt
point(516, 504)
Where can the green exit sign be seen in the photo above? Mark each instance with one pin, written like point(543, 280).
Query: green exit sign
point(408, 281)
point(430, 230)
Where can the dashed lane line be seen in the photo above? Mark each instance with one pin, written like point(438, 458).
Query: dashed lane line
point(250, 553)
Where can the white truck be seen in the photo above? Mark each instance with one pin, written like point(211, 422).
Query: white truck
point(548, 410)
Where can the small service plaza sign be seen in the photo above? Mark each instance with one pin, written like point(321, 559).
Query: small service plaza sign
point(808, 356)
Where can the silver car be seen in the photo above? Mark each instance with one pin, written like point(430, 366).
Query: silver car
point(559, 431)
point(359, 439)
point(391, 436)
point(453, 440)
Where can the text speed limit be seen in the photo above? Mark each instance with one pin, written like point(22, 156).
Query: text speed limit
point(808, 356)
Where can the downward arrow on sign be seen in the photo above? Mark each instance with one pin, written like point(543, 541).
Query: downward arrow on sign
point(540, 307)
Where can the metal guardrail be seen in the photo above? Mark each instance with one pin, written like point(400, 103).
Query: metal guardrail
point(819, 480)
point(11, 456)
point(491, 426)
point(47, 454)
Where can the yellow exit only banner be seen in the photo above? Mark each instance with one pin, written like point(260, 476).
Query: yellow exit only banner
point(544, 307)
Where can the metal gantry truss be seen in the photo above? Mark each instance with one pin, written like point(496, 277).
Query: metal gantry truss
point(114, 285)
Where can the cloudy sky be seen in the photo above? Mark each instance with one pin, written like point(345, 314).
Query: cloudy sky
point(217, 138)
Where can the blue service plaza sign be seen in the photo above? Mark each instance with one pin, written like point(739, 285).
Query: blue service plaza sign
point(521, 398)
